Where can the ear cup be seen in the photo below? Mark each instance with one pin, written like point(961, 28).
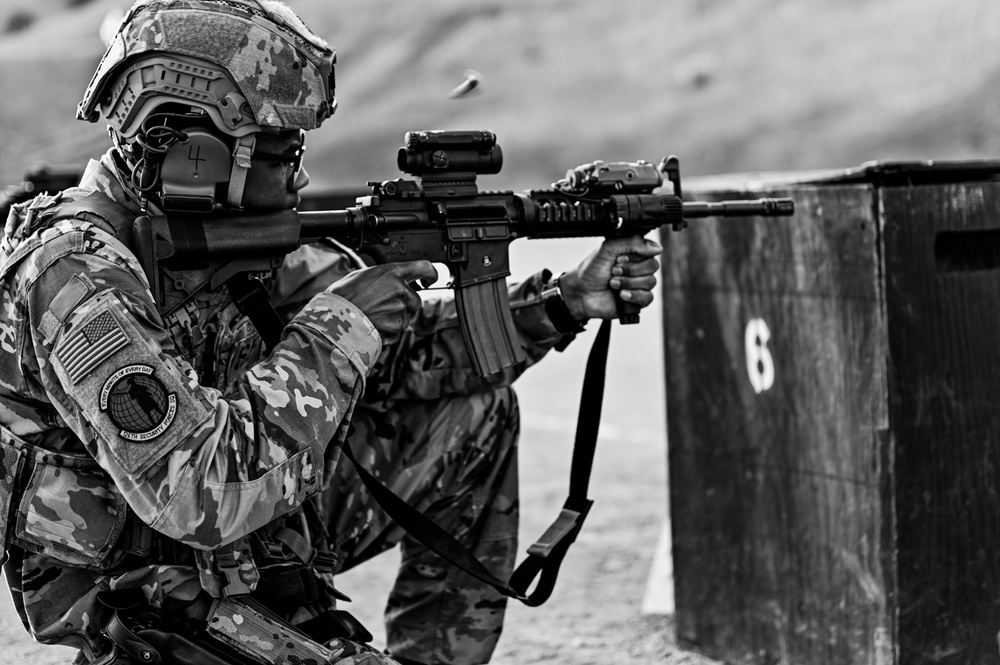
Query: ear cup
point(192, 170)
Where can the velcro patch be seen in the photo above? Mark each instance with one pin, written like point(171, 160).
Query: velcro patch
point(91, 345)
point(138, 403)
point(70, 295)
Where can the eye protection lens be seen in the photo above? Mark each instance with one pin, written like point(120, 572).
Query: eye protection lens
point(295, 158)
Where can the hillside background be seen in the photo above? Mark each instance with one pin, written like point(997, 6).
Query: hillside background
point(728, 85)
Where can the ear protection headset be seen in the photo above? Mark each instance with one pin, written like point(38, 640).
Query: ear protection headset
point(180, 158)
point(193, 172)
point(200, 170)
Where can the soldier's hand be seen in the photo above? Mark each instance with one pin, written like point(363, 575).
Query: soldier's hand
point(384, 294)
point(623, 267)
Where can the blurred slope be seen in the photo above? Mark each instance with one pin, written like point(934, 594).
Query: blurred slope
point(729, 85)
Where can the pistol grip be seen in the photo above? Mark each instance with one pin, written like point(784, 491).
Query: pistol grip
point(627, 312)
point(487, 326)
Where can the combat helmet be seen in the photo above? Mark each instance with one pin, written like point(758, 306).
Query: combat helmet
point(208, 74)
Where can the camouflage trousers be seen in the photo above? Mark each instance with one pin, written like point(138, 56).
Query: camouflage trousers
point(455, 460)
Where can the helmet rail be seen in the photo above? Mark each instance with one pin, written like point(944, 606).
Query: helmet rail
point(152, 81)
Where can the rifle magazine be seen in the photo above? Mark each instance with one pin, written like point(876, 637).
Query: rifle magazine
point(487, 326)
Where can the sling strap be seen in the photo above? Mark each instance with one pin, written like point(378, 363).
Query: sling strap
point(545, 556)
point(251, 299)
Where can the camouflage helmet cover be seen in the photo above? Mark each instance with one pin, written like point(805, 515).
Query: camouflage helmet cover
point(283, 69)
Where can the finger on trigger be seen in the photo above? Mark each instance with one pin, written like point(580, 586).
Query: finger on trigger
point(412, 271)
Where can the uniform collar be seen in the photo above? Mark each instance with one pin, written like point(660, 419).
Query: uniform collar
point(102, 175)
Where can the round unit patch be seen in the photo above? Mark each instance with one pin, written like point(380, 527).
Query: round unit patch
point(138, 403)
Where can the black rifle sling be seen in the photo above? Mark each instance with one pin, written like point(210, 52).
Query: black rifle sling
point(250, 296)
point(546, 555)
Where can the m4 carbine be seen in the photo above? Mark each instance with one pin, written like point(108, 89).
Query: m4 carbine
point(442, 217)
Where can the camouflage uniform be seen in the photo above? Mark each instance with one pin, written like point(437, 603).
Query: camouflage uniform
point(115, 414)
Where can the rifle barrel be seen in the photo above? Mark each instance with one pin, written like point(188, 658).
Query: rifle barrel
point(760, 207)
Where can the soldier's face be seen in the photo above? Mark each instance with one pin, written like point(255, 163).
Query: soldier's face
point(276, 173)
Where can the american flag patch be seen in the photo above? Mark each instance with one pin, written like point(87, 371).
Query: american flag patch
point(88, 347)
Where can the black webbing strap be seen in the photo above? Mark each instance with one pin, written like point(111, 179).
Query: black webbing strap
point(425, 531)
point(545, 556)
point(251, 298)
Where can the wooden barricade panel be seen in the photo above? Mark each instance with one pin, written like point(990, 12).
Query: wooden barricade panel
point(833, 471)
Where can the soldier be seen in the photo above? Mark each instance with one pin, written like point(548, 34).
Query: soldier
point(172, 490)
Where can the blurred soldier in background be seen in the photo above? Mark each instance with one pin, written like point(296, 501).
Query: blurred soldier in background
point(172, 487)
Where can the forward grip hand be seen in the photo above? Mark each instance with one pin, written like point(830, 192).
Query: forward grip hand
point(628, 312)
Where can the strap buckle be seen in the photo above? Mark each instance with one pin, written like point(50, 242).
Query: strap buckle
point(562, 532)
point(242, 154)
point(241, 577)
point(324, 561)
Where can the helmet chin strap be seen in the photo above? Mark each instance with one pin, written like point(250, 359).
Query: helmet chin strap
point(241, 164)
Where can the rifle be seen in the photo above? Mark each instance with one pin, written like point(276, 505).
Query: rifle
point(444, 218)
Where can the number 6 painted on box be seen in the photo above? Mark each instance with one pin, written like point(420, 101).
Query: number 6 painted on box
point(760, 365)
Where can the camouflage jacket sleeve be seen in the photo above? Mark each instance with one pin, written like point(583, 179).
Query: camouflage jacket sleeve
point(202, 467)
point(430, 361)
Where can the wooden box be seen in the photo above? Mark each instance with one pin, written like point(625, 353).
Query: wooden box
point(833, 398)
